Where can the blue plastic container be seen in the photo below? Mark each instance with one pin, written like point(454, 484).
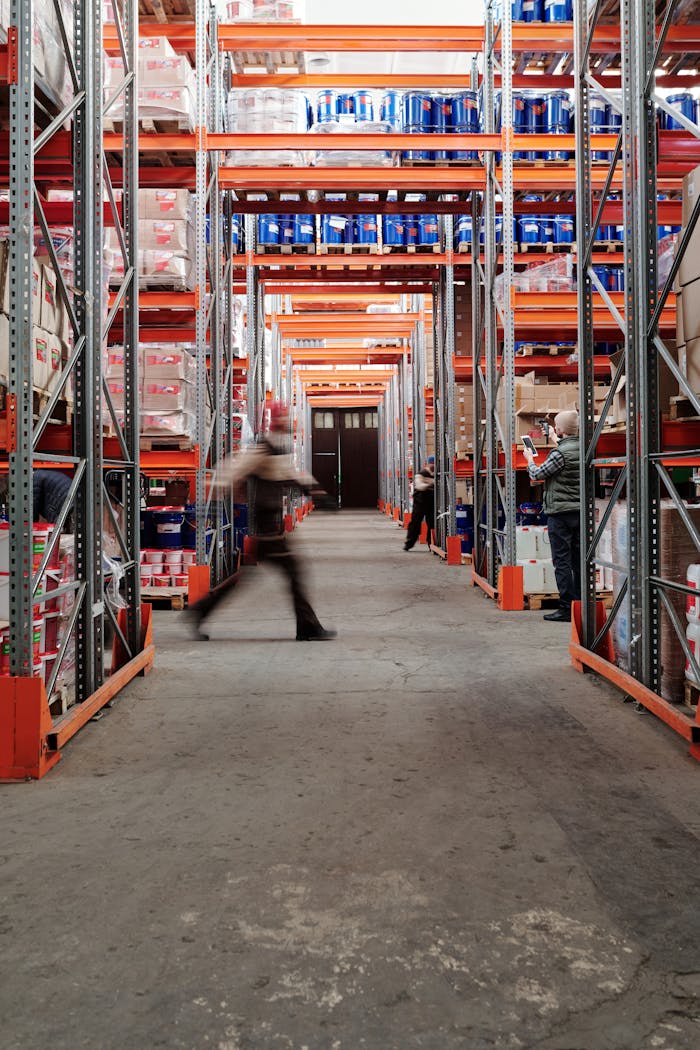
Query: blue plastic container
point(617, 279)
point(411, 230)
point(533, 10)
point(529, 229)
point(326, 106)
point(333, 229)
point(440, 121)
point(465, 120)
point(558, 10)
point(363, 105)
point(168, 525)
point(598, 121)
point(148, 529)
point(268, 230)
point(189, 528)
point(393, 227)
point(345, 105)
point(304, 229)
point(287, 229)
point(547, 229)
point(365, 229)
point(349, 235)
point(391, 109)
point(464, 230)
point(557, 120)
point(428, 230)
point(417, 119)
point(518, 10)
point(235, 232)
point(461, 523)
point(685, 104)
point(603, 275)
point(564, 229)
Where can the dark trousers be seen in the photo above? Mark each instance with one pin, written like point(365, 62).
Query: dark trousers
point(276, 552)
point(565, 541)
point(422, 509)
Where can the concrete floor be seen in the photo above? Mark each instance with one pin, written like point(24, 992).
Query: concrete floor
point(430, 833)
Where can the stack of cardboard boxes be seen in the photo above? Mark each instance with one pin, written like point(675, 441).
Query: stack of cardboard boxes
point(51, 333)
point(688, 291)
point(165, 241)
point(167, 86)
point(166, 391)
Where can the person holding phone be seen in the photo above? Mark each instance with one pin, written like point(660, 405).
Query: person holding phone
point(560, 474)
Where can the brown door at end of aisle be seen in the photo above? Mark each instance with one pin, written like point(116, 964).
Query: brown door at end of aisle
point(359, 456)
point(325, 451)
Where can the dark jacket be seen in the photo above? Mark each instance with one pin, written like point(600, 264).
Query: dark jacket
point(50, 488)
point(562, 492)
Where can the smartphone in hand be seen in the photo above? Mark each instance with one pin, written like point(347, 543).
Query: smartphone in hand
point(528, 443)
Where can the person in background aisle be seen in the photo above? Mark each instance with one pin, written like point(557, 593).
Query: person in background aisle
point(270, 466)
point(560, 473)
point(50, 488)
point(423, 504)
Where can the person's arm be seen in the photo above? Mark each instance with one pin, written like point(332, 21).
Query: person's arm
point(553, 464)
point(237, 468)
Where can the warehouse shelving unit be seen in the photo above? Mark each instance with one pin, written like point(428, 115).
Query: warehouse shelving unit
point(30, 739)
point(652, 447)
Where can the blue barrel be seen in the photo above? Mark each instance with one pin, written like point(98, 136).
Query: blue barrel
point(333, 229)
point(603, 275)
point(411, 230)
point(393, 230)
point(464, 230)
point(349, 236)
point(286, 229)
point(363, 105)
point(189, 528)
point(465, 120)
point(326, 106)
point(518, 10)
point(533, 10)
point(304, 229)
point(598, 122)
point(168, 524)
point(148, 530)
point(529, 229)
point(391, 109)
point(268, 230)
point(557, 120)
point(440, 121)
point(345, 105)
point(235, 232)
point(428, 230)
point(564, 229)
point(685, 104)
point(365, 229)
point(617, 279)
point(558, 10)
point(417, 119)
point(547, 229)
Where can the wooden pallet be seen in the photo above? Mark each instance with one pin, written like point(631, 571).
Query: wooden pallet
point(174, 596)
point(412, 249)
point(692, 694)
point(151, 443)
point(535, 602)
point(170, 126)
point(614, 428)
point(680, 408)
point(348, 249)
point(414, 163)
point(463, 249)
point(550, 349)
point(164, 11)
point(286, 249)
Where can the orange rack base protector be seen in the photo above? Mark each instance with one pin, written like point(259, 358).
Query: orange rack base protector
point(30, 741)
point(602, 663)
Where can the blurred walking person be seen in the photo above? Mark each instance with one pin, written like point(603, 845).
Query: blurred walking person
point(269, 465)
point(423, 504)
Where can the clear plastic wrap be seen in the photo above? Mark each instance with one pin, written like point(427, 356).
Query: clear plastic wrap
point(266, 111)
point(348, 158)
point(554, 276)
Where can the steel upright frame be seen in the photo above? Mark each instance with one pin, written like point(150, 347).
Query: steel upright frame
point(645, 471)
point(444, 395)
point(494, 330)
point(29, 740)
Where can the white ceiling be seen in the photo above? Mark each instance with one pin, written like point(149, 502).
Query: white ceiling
point(396, 12)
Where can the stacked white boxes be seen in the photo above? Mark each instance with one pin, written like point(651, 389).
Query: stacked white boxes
point(167, 86)
point(165, 241)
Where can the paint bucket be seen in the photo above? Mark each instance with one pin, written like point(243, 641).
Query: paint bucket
point(617, 279)
point(235, 232)
point(154, 557)
point(333, 229)
point(268, 230)
point(349, 236)
point(417, 119)
point(529, 229)
point(558, 10)
point(533, 10)
point(391, 109)
point(464, 230)
point(685, 104)
point(286, 234)
point(440, 121)
point(465, 120)
point(564, 229)
point(598, 122)
point(557, 120)
point(179, 579)
point(168, 527)
point(428, 230)
point(304, 229)
point(345, 106)
point(393, 227)
point(326, 106)
point(363, 105)
point(161, 580)
point(547, 229)
point(411, 230)
point(603, 275)
point(148, 529)
point(365, 229)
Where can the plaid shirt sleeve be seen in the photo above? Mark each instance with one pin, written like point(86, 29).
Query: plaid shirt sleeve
point(551, 466)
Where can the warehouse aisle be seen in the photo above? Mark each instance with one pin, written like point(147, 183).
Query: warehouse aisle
point(426, 834)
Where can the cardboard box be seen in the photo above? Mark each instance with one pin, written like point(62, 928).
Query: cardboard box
point(55, 362)
point(688, 312)
point(116, 392)
point(169, 204)
point(689, 363)
point(165, 70)
point(4, 347)
point(167, 395)
point(169, 363)
point(48, 299)
point(37, 293)
point(41, 350)
point(680, 326)
point(691, 192)
point(689, 269)
point(163, 234)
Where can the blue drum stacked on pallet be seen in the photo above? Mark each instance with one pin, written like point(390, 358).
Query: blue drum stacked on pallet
point(463, 232)
point(365, 229)
point(391, 110)
point(417, 120)
point(465, 120)
point(543, 10)
point(557, 120)
point(304, 229)
point(393, 229)
point(268, 230)
point(686, 106)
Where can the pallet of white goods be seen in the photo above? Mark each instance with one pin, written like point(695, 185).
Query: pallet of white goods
point(163, 443)
point(174, 596)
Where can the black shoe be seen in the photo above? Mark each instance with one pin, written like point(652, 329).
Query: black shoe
point(558, 616)
point(407, 546)
point(318, 634)
point(194, 619)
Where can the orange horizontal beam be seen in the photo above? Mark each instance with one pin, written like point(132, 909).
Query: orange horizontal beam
point(347, 262)
point(451, 180)
point(153, 142)
point(162, 300)
point(347, 357)
point(346, 375)
point(365, 142)
point(359, 401)
point(448, 81)
point(283, 37)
